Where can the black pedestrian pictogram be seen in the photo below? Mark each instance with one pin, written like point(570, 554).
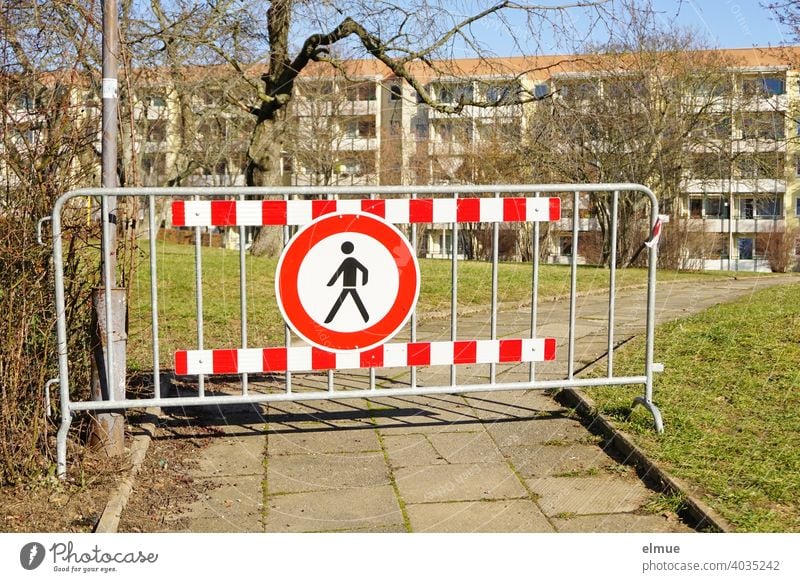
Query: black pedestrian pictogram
point(349, 272)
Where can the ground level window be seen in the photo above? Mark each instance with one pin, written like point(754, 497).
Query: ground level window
point(565, 246)
point(696, 207)
point(745, 246)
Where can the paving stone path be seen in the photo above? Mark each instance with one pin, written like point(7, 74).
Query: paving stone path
point(484, 462)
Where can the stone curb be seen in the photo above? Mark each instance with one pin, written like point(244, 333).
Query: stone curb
point(109, 521)
point(703, 515)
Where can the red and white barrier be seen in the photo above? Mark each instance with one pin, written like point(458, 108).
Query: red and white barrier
point(396, 211)
point(309, 359)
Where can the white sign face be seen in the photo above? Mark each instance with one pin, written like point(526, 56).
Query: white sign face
point(347, 282)
point(376, 281)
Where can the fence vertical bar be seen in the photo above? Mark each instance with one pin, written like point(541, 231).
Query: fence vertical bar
point(330, 372)
point(612, 282)
point(493, 323)
point(61, 337)
point(287, 333)
point(372, 370)
point(108, 286)
point(243, 295)
point(454, 288)
point(647, 400)
point(534, 290)
point(414, 313)
point(151, 210)
point(198, 296)
point(573, 286)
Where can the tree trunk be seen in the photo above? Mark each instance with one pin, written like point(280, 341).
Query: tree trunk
point(264, 169)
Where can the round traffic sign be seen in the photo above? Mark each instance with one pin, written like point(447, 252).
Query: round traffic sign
point(347, 282)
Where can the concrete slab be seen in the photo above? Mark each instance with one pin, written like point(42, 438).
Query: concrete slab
point(225, 524)
point(474, 447)
point(410, 450)
point(621, 523)
point(537, 430)
point(467, 482)
point(295, 473)
point(236, 500)
point(372, 508)
point(489, 406)
point(235, 456)
point(548, 460)
point(512, 516)
point(589, 495)
point(324, 440)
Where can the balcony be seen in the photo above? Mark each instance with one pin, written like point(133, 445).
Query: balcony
point(737, 225)
point(584, 224)
point(693, 186)
point(358, 144)
point(358, 108)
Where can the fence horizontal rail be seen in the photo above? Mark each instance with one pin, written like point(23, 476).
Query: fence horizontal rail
point(309, 359)
point(398, 211)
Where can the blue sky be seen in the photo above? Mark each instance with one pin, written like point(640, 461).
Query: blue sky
point(719, 24)
point(726, 23)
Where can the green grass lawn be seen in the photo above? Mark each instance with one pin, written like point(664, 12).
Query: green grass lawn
point(177, 311)
point(730, 396)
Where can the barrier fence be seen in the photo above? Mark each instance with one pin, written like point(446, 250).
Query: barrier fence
point(291, 372)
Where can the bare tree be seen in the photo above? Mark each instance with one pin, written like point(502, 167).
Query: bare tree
point(406, 37)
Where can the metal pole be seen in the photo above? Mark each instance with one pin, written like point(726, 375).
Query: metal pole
point(110, 427)
point(495, 254)
point(243, 294)
point(151, 203)
point(198, 298)
point(454, 287)
point(413, 379)
point(534, 289)
point(573, 285)
point(612, 283)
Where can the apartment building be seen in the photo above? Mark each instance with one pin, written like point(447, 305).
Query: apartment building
point(738, 191)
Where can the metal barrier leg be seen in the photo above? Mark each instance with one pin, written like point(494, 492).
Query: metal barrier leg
point(61, 445)
point(649, 405)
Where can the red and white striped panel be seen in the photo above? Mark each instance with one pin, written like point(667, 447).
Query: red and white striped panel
point(397, 211)
point(308, 359)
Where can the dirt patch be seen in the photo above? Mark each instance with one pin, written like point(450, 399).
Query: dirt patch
point(163, 487)
point(73, 505)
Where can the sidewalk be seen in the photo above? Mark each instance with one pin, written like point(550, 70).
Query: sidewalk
point(484, 462)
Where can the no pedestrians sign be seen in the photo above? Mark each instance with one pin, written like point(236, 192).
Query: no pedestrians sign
point(347, 282)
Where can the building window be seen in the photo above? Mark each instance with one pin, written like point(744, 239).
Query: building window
point(366, 127)
point(578, 91)
point(421, 130)
point(797, 206)
point(797, 246)
point(764, 86)
point(695, 208)
point(745, 247)
point(760, 208)
point(395, 93)
point(541, 91)
point(763, 126)
point(454, 92)
point(502, 94)
point(768, 207)
point(716, 207)
point(361, 92)
point(565, 246)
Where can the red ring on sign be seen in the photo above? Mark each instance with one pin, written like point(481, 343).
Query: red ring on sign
point(317, 333)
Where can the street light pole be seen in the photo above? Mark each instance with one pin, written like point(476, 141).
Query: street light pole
point(108, 381)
